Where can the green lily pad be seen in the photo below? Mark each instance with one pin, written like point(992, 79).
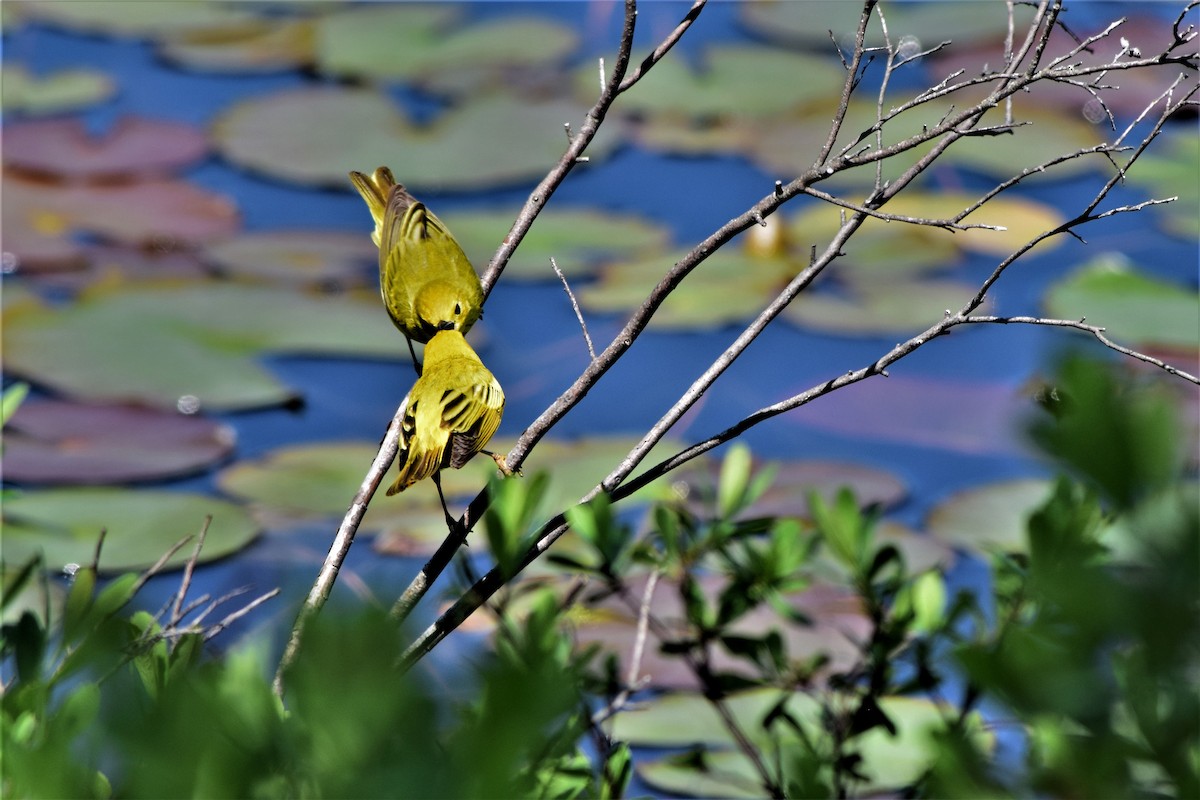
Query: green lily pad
point(809, 24)
point(319, 480)
point(991, 517)
point(730, 286)
point(64, 90)
point(142, 525)
point(56, 442)
point(317, 135)
point(731, 80)
point(880, 309)
point(134, 146)
point(577, 239)
point(788, 144)
point(158, 343)
point(1166, 171)
point(138, 17)
point(411, 42)
point(1135, 308)
point(325, 258)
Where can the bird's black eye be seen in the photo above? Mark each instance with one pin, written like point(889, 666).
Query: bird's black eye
point(458, 308)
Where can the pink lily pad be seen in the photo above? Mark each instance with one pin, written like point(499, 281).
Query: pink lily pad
point(959, 416)
point(61, 442)
point(39, 218)
point(328, 258)
point(135, 146)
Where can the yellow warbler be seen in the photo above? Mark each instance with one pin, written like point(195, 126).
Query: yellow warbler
point(425, 278)
point(451, 412)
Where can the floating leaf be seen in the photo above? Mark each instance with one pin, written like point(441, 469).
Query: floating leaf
point(327, 258)
point(64, 90)
point(1135, 308)
point(888, 761)
point(789, 144)
point(316, 136)
point(38, 218)
point(991, 517)
point(577, 239)
point(787, 495)
point(1166, 170)
point(960, 416)
point(729, 286)
point(731, 80)
point(133, 146)
point(880, 309)
point(56, 441)
point(159, 343)
point(838, 627)
point(249, 46)
point(1125, 92)
point(64, 525)
point(413, 42)
point(809, 24)
point(138, 17)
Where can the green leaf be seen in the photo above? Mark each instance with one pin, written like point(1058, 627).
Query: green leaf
point(734, 481)
point(1124, 438)
point(13, 397)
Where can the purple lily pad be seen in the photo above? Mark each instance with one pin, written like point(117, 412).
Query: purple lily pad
point(134, 146)
point(61, 442)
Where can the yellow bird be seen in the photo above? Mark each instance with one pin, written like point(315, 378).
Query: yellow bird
point(450, 414)
point(427, 282)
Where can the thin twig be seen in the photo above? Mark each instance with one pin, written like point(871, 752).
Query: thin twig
point(575, 305)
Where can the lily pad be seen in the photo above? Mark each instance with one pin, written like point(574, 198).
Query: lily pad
point(837, 627)
point(788, 144)
point(247, 46)
point(64, 524)
point(319, 480)
point(56, 442)
point(317, 135)
point(137, 17)
point(39, 218)
point(325, 258)
point(64, 90)
point(731, 80)
point(787, 496)
point(888, 762)
point(134, 146)
point(730, 286)
point(161, 343)
point(577, 239)
point(880, 309)
point(1167, 171)
point(1022, 219)
point(1135, 308)
point(809, 24)
point(959, 416)
point(991, 517)
point(409, 42)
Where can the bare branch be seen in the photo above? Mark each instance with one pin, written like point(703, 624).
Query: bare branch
point(575, 305)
